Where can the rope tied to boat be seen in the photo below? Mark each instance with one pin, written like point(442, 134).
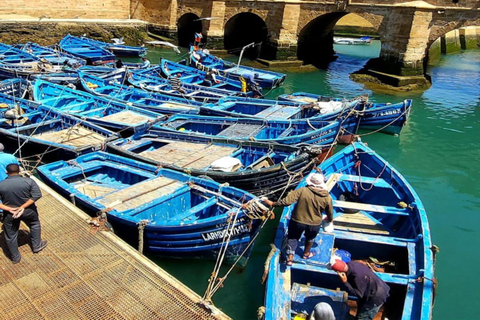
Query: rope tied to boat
point(141, 228)
point(255, 209)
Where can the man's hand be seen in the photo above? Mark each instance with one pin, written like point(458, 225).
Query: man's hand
point(17, 212)
point(267, 201)
point(342, 276)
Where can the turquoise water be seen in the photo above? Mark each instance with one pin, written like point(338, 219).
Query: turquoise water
point(438, 152)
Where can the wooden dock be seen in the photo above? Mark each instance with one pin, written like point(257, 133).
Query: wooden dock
point(88, 274)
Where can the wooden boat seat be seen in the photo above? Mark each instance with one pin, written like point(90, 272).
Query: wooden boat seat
point(264, 162)
point(127, 116)
point(370, 207)
point(286, 132)
point(75, 105)
point(189, 154)
point(194, 210)
point(35, 125)
point(337, 177)
point(74, 136)
point(241, 130)
point(279, 112)
point(141, 193)
point(358, 222)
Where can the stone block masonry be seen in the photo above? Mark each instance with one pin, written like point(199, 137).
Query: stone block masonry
point(47, 33)
point(65, 9)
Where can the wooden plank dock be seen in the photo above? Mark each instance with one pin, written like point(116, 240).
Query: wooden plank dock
point(83, 274)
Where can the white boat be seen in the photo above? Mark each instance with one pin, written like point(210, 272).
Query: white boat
point(362, 40)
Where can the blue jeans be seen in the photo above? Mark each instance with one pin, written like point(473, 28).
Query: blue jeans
point(367, 311)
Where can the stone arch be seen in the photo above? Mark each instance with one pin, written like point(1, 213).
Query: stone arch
point(243, 29)
point(315, 40)
point(440, 27)
point(187, 25)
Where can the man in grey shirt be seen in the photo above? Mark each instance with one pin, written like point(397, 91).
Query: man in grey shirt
point(18, 195)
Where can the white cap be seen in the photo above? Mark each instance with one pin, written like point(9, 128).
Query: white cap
point(316, 180)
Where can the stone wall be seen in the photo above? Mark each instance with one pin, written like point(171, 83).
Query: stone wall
point(48, 33)
point(66, 9)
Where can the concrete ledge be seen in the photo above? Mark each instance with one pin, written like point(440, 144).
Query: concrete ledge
point(281, 63)
point(390, 82)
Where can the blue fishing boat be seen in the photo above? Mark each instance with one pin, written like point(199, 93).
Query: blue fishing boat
point(197, 92)
point(180, 215)
point(54, 57)
point(255, 167)
point(285, 110)
point(202, 59)
point(104, 112)
point(380, 221)
point(187, 74)
point(120, 50)
point(42, 133)
point(155, 102)
point(81, 48)
point(291, 132)
point(16, 63)
point(16, 87)
point(384, 117)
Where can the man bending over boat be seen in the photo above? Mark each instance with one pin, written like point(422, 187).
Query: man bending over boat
point(311, 201)
point(362, 282)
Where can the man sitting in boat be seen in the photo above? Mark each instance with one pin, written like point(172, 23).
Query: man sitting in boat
point(311, 201)
point(362, 282)
point(146, 63)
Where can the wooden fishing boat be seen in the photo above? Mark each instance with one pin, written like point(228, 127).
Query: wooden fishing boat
point(117, 49)
point(81, 48)
point(16, 87)
point(16, 63)
point(54, 57)
point(384, 117)
point(155, 102)
point(379, 220)
point(51, 135)
point(203, 60)
point(285, 110)
point(291, 132)
point(255, 167)
point(197, 92)
point(105, 112)
point(358, 41)
point(191, 75)
point(179, 215)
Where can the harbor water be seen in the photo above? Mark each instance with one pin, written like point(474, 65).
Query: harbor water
point(439, 154)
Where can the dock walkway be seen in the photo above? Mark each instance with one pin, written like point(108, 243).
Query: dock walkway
point(83, 274)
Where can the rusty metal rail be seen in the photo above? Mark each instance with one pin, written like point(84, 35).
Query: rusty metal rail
point(83, 274)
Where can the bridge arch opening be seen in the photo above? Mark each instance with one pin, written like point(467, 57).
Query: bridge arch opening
point(316, 39)
point(243, 29)
point(187, 25)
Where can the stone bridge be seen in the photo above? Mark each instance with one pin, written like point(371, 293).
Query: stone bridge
point(302, 29)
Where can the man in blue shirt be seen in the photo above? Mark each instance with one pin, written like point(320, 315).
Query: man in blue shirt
point(146, 63)
point(5, 160)
point(18, 195)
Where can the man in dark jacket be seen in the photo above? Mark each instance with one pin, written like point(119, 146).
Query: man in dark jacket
point(18, 196)
point(311, 201)
point(362, 282)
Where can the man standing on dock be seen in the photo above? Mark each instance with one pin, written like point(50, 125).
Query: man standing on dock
point(307, 217)
point(18, 195)
point(362, 282)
